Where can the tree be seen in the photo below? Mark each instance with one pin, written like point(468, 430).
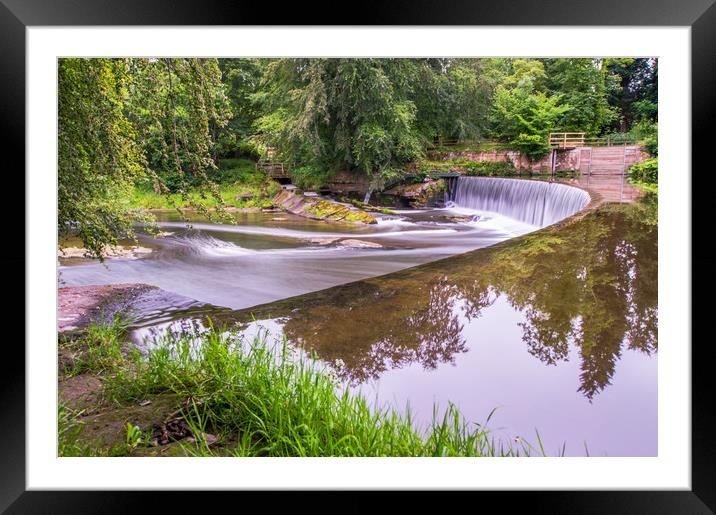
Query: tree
point(452, 97)
point(636, 96)
point(178, 105)
point(241, 78)
point(521, 113)
point(584, 85)
point(98, 155)
point(127, 121)
point(326, 115)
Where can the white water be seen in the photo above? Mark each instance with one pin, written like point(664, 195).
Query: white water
point(263, 258)
point(533, 202)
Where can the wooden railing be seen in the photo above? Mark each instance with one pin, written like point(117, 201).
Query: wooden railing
point(274, 169)
point(566, 139)
point(577, 139)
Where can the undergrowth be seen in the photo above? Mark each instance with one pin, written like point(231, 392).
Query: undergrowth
point(261, 398)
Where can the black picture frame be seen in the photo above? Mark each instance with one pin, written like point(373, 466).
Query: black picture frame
point(17, 15)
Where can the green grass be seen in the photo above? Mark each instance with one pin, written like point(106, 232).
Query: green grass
point(234, 177)
point(262, 192)
point(99, 349)
point(69, 437)
point(260, 399)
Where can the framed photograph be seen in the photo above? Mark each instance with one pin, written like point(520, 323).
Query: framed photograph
point(427, 249)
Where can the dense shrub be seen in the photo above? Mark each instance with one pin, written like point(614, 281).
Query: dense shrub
point(651, 143)
point(249, 149)
point(647, 133)
point(646, 171)
point(534, 146)
point(468, 166)
point(489, 168)
point(236, 170)
point(309, 177)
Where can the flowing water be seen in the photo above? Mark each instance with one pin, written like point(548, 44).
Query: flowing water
point(555, 328)
point(532, 202)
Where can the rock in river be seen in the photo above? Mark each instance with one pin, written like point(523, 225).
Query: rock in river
point(360, 244)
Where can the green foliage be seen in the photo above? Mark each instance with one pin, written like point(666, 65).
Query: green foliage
point(584, 85)
point(249, 149)
point(651, 143)
point(272, 402)
point(241, 78)
point(69, 428)
point(326, 115)
point(237, 170)
point(635, 95)
point(134, 435)
point(468, 166)
point(98, 155)
point(533, 146)
point(645, 110)
point(485, 168)
point(491, 168)
point(99, 348)
point(123, 122)
point(178, 105)
point(519, 111)
point(452, 96)
point(647, 133)
point(309, 177)
point(645, 172)
point(262, 192)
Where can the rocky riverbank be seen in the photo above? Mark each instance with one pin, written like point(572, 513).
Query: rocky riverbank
point(298, 203)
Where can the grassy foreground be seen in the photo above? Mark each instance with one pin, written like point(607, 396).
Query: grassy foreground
point(244, 398)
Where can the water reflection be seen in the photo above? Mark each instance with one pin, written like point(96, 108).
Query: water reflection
point(590, 285)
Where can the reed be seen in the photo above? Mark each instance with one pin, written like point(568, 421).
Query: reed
point(260, 398)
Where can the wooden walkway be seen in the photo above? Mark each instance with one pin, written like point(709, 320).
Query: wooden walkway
point(274, 169)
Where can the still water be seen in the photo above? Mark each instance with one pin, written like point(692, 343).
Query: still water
point(556, 328)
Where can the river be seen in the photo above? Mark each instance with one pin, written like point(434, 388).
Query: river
point(556, 328)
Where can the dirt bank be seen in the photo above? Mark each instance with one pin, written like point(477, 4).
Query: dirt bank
point(77, 305)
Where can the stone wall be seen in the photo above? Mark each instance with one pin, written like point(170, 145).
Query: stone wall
point(608, 160)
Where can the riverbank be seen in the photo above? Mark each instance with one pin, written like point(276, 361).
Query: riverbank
point(78, 306)
point(298, 203)
point(252, 194)
point(230, 397)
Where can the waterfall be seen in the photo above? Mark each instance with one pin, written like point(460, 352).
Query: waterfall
point(533, 202)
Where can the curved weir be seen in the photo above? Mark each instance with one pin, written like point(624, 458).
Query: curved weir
point(534, 202)
point(265, 257)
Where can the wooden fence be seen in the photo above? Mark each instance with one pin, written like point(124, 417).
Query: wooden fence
point(274, 169)
point(578, 139)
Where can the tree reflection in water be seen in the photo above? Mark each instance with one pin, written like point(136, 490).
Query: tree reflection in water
point(589, 284)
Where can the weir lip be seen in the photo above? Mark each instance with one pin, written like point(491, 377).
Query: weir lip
point(594, 200)
point(538, 203)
